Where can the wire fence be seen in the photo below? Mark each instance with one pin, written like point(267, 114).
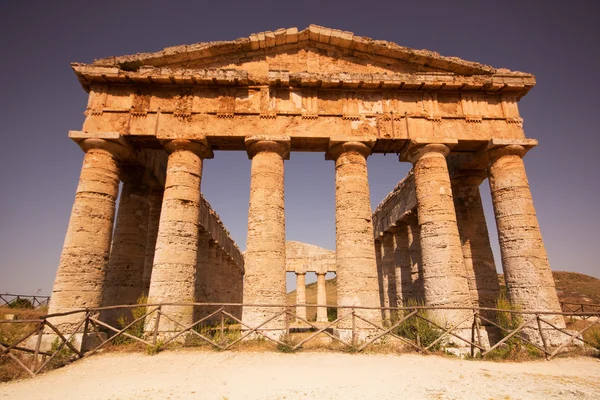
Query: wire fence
point(221, 327)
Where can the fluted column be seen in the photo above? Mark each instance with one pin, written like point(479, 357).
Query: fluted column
point(413, 235)
point(174, 273)
point(81, 271)
point(212, 277)
point(155, 198)
point(355, 253)
point(475, 240)
point(201, 295)
point(388, 274)
point(239, 293)
point(321, 298)
point(402, 265)
point(301, 294)
point(265, 244)
point(444, 277)
point(529, 280)
point(125, 270)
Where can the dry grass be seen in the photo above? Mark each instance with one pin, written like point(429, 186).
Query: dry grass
point(9, 333)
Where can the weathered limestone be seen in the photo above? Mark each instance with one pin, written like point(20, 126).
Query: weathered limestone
point(212, 279)
point(81, 272)
point(477, 251)
point(388, 270)
point(444, 278)
point(356, 262)
point(155, 199)
point(202, 271)
point(124, 282)
point(265, 244)
point(315, 89)
point(404, 288)
point(301, 294)
point(529, 281)
point(175, 259)
point(304, 257)
point(321, 298)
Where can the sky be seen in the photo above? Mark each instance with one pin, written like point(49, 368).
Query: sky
point(41, 100)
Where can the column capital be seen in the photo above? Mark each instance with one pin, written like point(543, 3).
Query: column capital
point(414, 150)
point(118, 150)
point(113, 142)
point(469, 177)
point(337, 148)
point(495, 153)
point(199, 147)
point(275, 144)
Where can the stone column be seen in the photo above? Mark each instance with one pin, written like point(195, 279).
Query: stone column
point(477, 251)
point(174, 272)
point(301, 294)
point(402, 265)
point(413, 233)
point(239, 285)
point(155, 199)
point(124, 283)
point(444, 278)
point(265, 244)
point(219, 281)
point(389, 275)
point(202, 268)
point(529, 280)
point(81, 272)
point(212, 278)
point(321, 298)
point(355, 253)
point(230, 292)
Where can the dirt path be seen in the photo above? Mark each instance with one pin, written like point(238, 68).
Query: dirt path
point(250, 375)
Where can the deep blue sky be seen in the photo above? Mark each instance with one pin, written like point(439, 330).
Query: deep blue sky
point(41, 100)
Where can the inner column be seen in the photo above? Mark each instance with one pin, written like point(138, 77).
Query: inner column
point(355, 252)
point(474, 237)
point(402, 265)
point(174, 272)
point(301, 294)
point(125, 271)
point(389, 275)
point(265, 260)
point(321, 298)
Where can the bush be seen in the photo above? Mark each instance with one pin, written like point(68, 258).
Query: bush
point(514, 348)
point(21, 303)
point(418, 330)
point(592, 336)
point(332, 314)
point(136, 329)
point(63, 357)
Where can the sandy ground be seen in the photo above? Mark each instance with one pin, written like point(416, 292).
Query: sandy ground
point(251, 375)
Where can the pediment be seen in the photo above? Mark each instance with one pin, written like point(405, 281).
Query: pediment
point(315, 50)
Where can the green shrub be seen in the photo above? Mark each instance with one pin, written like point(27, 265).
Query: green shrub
point(514, 348)
point(332, 314)
point(64, 356)
point(136, 329)
point(418, 330)
point(21, 303)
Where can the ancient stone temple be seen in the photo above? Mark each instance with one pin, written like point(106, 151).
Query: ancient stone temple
point(152, 119)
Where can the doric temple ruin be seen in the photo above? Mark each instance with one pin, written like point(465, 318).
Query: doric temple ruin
point(153, 118)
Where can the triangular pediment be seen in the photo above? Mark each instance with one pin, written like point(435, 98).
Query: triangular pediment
point(315, 50)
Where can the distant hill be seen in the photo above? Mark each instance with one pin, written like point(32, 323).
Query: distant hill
point(571, 287)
